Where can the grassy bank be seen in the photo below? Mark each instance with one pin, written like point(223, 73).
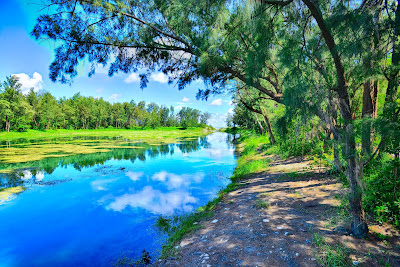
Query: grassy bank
point(36, 145)
point(250, 162)
point(168, 133)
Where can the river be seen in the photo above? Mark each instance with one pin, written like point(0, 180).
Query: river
point(92, 209)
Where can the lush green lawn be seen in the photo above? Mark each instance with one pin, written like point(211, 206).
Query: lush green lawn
point(160, 133)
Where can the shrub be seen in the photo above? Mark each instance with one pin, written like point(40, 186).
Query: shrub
point(23, 128)
point(381, 197)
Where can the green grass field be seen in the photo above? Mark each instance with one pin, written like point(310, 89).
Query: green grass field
point(170, 133)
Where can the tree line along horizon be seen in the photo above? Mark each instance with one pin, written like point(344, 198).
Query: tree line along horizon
point(42, 111)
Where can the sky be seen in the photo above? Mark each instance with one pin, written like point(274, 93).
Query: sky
point(29, 60)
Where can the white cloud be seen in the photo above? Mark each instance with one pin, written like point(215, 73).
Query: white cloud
point(155, 201)
point(160, 176)
point(185, 99)
point(178, 108)
point(27, 175)
point(230, 111)
point(159, 77)
point(175, 181)
point(36, 82)
point(230, 103)
point(101, 185)
point(216, 102)
point(134, 176)
point(39, 176)
point(101, 69)
point(218, 120)
point(114, 97)
point(216, 153)
point(133, 78)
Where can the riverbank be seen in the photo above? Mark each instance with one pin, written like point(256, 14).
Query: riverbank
point(170, 133)
point(279, 213)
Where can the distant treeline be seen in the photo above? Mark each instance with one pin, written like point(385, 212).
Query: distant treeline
point(41, 110)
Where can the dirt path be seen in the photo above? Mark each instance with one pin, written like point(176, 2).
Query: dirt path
point(296, 206)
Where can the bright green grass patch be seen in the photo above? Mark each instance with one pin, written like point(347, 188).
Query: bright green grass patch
point(177, 227)
point(330, 256)
point(252, 159)
point(262, 204)
point(162, 132)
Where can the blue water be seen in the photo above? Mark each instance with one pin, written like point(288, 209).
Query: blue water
point(90, 210)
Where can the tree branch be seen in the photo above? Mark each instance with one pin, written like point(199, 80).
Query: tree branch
point(177, 38)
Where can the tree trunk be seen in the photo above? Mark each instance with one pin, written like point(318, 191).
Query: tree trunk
point(393, 79)
point(367, 113)
point(374, 97)
point(358, 226)
point(260, 125)
point(269, 127)
point(327, 138)
point(396, 171)
point(336, 157)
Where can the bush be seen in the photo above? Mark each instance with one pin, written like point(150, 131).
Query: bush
point(330, 256)
point(23, 128)
point(381, 198)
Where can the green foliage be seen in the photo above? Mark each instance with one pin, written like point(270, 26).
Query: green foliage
point(330, 256)
point(41, 110)
point(381, 197)
point(297, 137)
point(250, 161)
point(23, 128)
point(178, 226)
point(189, 117)
point(262, 204)
point(125, 261)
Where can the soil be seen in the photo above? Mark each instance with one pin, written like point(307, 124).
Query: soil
point(241, 233)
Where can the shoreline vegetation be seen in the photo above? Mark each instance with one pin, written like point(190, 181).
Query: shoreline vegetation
point(134, 133)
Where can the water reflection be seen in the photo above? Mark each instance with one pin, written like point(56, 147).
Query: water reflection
point(31, 173)
point(173, 181)
point(134, 176)
point(155, 201)
point(89, 209)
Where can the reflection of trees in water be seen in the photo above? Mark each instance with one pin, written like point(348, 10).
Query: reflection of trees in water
point(193, 145)
point(231, 140)
point(9, 180)
point(141, 151)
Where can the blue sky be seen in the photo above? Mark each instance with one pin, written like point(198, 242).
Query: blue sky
point(30, 60)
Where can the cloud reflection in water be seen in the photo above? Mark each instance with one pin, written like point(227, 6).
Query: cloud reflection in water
point(134, 176)
point(177, 180)
point(155, 201)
